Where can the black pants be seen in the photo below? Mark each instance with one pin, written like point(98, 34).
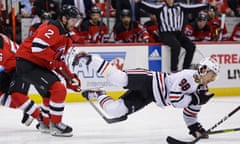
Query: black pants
point(139, 92)
point(176, 40)
point(41, 78)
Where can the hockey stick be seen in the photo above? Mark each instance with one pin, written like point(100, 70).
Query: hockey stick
point(172, 140)
point(108, 120)
point(224, 131)
point(222, 26)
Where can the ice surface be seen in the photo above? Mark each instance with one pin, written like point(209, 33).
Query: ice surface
point(149, 126)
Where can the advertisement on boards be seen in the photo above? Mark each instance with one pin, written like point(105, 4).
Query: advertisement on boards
point(124, 57)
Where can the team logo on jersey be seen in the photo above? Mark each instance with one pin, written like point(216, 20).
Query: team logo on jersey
point(196, 78)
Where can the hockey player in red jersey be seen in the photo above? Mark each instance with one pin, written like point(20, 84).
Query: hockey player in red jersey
point(218, 33)
point(45, 17)
point(186, 89)
point(152, 29)
point(235, 36)
point(129, 31)
point(199, 30)
point(38, 57)
point(7, 70)
point(94, 27)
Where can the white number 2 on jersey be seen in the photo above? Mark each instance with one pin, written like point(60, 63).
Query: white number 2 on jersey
point(49, 33)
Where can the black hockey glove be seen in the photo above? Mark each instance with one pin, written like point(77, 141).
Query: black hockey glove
point(201, 96)
point(200, 99)
point(197, 130)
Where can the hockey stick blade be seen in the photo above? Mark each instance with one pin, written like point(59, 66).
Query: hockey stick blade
point(172, 140)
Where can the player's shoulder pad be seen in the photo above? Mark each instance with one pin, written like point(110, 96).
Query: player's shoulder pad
point(58, 25)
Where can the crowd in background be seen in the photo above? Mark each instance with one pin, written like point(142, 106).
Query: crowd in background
point(200, 26)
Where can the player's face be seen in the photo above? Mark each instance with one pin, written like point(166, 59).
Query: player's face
point(95, 17)
point(208, 77)
point(71, 23)
point(201, 23)
point(126, 19)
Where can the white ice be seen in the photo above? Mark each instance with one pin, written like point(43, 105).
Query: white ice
point(151, 125)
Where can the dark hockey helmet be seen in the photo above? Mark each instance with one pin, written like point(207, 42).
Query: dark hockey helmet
point(70, 11)
point(46, 16)
point(126, 12)
point(202, 16)
point(95, 9)
point(212, 8)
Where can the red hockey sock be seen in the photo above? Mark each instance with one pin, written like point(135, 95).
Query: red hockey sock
point(23, 102)
point(57, 97)
point(45, 111)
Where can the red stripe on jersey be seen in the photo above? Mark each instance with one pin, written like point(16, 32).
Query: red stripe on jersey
point(162, 84)
point(105, 100)
point(190, 113)
point(174, 97)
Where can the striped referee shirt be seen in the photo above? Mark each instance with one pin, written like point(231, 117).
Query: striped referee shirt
point(170, 19)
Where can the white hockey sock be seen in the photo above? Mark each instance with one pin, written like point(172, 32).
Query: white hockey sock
point(112, 108)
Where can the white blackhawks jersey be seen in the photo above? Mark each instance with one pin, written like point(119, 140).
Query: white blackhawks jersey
point(174, 89)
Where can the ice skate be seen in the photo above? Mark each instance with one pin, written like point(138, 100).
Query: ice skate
point(27, 119)
point(42, 127)
point(92, 94)
point(60, 129)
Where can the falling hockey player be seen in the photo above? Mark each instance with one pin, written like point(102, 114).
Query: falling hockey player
point(185, 89)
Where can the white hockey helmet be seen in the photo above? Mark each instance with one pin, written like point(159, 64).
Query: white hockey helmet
point(209, 64)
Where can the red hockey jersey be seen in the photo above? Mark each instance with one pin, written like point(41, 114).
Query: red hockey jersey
point(236, 33)
point(96, 33)
point(195, 34)
point(46, 45)
point(215, 25)
point(135, 34)
point(152, 29)
point(7, 53)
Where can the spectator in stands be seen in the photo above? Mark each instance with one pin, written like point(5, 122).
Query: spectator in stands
point(84, 6)
point(26, 8)
point(234, 5)
point(96, 29)
point(235, 36)
point(221, 5)
point(44, 19)
point(105, 7)
point(79, 36)
point(199, 30)
point(127, 30)
point(152, 28)
point(49, 6)
point(214, 22)
point(131, 5)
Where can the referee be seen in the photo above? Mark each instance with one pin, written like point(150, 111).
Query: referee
point(170, 17)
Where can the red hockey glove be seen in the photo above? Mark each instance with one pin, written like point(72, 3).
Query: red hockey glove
point(72, 81)
point(74, 84)
point(197, 130)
